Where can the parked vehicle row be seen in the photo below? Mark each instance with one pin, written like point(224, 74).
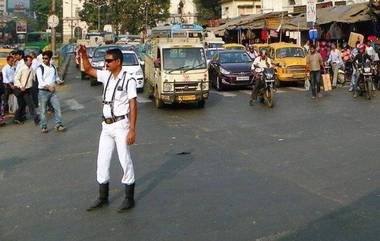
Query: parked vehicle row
point(131, 62)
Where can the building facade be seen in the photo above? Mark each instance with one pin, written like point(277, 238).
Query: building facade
point(237, 8)
point(3, 7)
point(73, 27)
point(182, 11)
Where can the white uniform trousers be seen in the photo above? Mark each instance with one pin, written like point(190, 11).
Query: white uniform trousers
point(115, 133)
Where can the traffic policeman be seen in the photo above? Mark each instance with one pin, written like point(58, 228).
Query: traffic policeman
point(118, 126)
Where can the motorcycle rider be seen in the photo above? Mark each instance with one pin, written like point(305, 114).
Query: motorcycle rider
point(358, 60)
point(260, 63)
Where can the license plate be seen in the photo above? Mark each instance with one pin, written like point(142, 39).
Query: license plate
point(269, 80)
point(298, 76)
point(187, 98)
point(239, 78)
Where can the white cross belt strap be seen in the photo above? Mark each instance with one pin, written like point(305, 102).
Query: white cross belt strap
point(117, 87)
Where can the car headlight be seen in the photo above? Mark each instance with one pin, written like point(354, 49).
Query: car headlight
point(168, 86)
point(139, 72)
point(282, 65)
point(205, 86)
point(223, 71)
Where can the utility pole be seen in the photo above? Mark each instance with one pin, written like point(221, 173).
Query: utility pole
point(53, 33)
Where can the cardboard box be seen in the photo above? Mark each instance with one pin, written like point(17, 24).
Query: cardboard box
point(354, 37)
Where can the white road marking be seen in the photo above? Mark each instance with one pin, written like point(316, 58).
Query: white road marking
point(297, 88)
point(74, 105)
point(247, 92)
point(142, 99)
point(223, 93)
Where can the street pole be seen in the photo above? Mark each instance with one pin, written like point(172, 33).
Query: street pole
point(71, 15)
point(53, 33)
point(98, 18)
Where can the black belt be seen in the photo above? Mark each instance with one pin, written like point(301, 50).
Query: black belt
point(44, 90)
point(114, 119)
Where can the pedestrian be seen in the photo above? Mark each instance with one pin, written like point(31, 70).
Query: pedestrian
point(118, 126)
point(35, 65)
point(354, 52)
point(324, 51)
point(252, 52)
point(47, 76)
point(24, 83)
point(335, 60)
point(19, 63)
point(306, 47)
point(314, 64)
point(370, 51)
point(8, 73)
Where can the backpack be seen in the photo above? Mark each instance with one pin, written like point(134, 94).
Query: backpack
point(43, 70)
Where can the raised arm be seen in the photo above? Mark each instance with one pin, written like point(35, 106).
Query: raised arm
point(88, 69)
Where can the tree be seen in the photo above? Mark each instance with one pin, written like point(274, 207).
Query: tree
point(208, 9)
point(127, 15)
point(42, 9)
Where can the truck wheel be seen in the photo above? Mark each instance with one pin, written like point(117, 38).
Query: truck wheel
point(157, 102)
point(201, 103)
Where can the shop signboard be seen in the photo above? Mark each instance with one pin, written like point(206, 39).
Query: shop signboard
point(21, 27)
point(311, 11)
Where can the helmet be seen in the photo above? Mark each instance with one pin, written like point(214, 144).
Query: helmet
point(323, 43)
point(345, 45)
point(362, 47)
point(263, 52)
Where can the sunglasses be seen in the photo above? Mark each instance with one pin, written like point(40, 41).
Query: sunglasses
point(109, 60)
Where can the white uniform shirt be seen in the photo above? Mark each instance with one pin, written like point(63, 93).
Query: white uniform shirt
point(49, 77)
point(8, 74)
point(35, 64)
point(19, 65)
point(122, 95)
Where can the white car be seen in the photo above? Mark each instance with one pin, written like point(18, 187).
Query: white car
point(132, 65)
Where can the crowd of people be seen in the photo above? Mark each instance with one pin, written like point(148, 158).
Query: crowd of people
point(324, 57)
point(32, 80)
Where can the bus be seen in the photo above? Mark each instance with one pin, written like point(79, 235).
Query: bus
point(40, 40)
point(179, 31)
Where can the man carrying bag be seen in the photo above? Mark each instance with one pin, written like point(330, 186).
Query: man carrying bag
point(23, 90)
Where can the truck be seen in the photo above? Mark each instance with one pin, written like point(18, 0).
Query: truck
point(176, 70)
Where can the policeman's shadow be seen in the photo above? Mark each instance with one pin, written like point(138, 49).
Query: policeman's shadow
point(174, 164)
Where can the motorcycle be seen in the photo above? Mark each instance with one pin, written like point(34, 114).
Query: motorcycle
point(345, 72)
point(266, 92)
point(365, 80)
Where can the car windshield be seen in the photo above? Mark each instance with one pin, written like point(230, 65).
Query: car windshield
point(184, 58)
point(215, 45)
point(100, 53)
point(210, 53)
point(290, 52)
point(32, 50)
point(130, 59)
point(90, 51)
point(234, 57)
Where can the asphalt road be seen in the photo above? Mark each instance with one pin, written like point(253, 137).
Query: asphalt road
point(305, 170)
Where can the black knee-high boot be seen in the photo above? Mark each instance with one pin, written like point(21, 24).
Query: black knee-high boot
point(102, 199)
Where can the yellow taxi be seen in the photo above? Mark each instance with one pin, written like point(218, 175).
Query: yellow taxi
point(4, 53)
point(234, 46)
point(289, 61)
point(259, 47)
